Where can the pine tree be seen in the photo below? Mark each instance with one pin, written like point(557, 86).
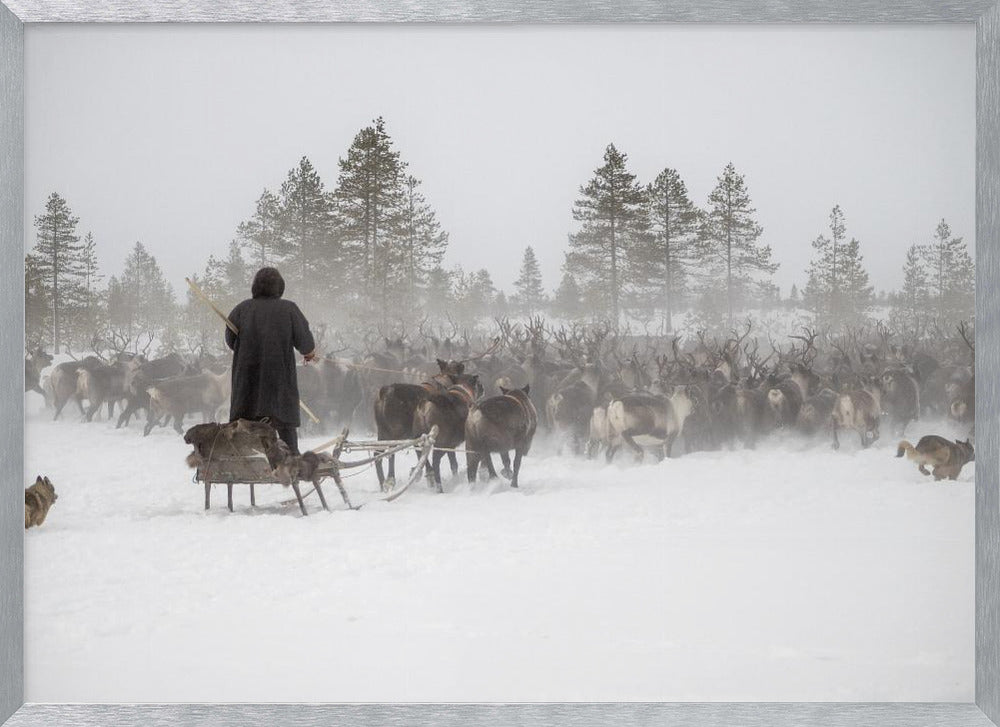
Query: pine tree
point(438, 294)
point(474, 296)
point(480, 294)
point(661, 259)
point(530, 296)
point(140, 301)
point(91, 274)
point(37, 306)
point(766, 294)
point(261, 234)
point(838, 288)
point(612, 210)
point(793, 296)
point(951, 275)
point(228, 280)
point(568, 299)
point(859, 294)
point(423, 242)
point(369, 197)
point(57, 254)
point(312, 265)
point(89, 317)
point(200, 325)
point(729, 241)
point(912, 301)
point(500, 307)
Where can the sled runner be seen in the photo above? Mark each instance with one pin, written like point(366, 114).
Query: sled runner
point(245, 465)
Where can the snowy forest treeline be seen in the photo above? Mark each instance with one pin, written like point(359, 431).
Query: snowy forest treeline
point(367, 254)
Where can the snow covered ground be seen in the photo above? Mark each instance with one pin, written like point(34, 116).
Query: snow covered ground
point(787, 573)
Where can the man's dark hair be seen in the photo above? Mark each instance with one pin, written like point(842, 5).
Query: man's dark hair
point(267, 283)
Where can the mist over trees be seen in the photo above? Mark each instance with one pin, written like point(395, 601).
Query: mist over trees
point(611, 210)
point(939, 280)
point(57, 272)
point(662, 263)
point(260, 235)
point(735, 263)
point(838, 287)
point(530, 297)
point(369, 253)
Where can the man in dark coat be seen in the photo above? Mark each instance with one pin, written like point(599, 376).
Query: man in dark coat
point(264, 381)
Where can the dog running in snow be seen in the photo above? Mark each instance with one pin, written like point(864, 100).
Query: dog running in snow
point(37, 500)
point(945, 457)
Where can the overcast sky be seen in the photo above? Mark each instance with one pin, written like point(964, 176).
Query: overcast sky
point(168, 134)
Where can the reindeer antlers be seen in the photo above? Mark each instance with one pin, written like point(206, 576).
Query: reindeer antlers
point(808, 337)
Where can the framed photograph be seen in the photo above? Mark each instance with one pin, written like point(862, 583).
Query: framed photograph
point(514, 364)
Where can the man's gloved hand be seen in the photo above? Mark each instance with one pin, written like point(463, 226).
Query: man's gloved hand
point(310, 357)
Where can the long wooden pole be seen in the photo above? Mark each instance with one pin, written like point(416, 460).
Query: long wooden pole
point(232, 327)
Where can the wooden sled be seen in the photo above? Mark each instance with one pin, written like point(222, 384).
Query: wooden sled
point(254, 470)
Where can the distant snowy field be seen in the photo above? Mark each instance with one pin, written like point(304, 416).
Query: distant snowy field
point(783, 574)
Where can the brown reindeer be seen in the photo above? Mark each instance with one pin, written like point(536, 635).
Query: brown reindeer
point(63, 382)
point(140, 374)
point(900, 398)
point(181, 396)
point(500, 424)
point(34, 363)
point(784, 396)
point(569, 409)
point(741, 412)
point(101, 385)
point(396, 405)
point(447, 411)
point(817, 411)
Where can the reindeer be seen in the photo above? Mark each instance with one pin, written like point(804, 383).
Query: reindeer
point(569, 409)
point(500, 424)
point(599, 433)
point(184, 395)
point(396, 404)
point(817, 412)
point(342, 387)
point(741, 412)
point(784, 396)
point(699, 429)
point(859, 409)
point(101, 385)
point(63, 383)
point(900, 398)
point(141, 373)
point(34, 363)
point(963, 405)
point(648, 419)
point(448, 412)
point(963, 396)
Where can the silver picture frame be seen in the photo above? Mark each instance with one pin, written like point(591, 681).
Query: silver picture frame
point(985, 14)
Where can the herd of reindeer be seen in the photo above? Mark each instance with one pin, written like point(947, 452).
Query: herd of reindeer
point(593, 389)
